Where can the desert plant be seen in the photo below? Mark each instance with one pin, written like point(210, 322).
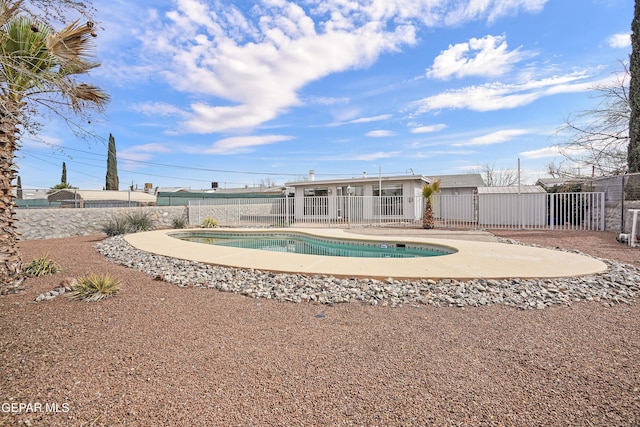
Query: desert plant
point(42, 266)
point(428, 190)
point(209, 222)
point(116, 226)
point(95, 287)
point(139, 221)
point(179, 222)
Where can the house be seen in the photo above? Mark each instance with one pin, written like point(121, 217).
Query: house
point(389, 197)
point(457, 197)
point(459, 184)
point(381, 197)
point(75, 198)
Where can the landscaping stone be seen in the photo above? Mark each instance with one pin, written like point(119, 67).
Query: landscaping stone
point(618, 285)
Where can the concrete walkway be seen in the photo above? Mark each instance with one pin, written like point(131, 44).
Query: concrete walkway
point(473, 259)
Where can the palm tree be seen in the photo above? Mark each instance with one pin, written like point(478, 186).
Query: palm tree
point(429, 190)
point(38, 70)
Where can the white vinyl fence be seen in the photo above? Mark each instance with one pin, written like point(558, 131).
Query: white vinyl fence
point(552, 211)
point(571, 211)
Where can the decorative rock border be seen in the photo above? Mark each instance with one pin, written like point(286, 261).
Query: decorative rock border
point(620, 284)
point(67, 285)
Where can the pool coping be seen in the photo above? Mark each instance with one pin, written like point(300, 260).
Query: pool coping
point(473, 259)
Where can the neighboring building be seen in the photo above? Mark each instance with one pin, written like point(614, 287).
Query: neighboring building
point(550, 184)
point(74, 198)
point(455, 185)
point(389, 197)
point(182, 197)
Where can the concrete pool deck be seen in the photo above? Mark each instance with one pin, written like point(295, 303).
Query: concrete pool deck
point(477, 258)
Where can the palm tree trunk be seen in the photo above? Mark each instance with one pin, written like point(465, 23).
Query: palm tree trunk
point(11, 274)
point(428, 220)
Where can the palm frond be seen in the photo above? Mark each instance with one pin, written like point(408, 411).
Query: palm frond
point(72, 45)
point(429, 189)
point(9, 10)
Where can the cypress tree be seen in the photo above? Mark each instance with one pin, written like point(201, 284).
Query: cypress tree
point(633, 153)
point(19, 188)
point(112, 182)
point(63, 179)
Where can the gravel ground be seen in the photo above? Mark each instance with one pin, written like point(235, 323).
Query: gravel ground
point(158, 354)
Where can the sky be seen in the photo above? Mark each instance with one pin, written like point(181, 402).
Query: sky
point(249, 93)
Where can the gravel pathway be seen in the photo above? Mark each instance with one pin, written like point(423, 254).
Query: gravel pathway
point(161, 354)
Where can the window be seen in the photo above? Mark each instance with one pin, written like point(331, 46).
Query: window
point(316, 201)
point(390, 203)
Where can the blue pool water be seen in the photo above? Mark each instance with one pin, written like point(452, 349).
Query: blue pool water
point(302, 244)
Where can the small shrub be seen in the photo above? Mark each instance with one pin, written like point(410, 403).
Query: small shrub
point(139, 221)
point(95, 287)
point(116, 226)
point(209, 222)
point(179, 222)
point(42, 266)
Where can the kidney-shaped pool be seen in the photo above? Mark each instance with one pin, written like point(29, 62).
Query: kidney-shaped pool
point(310, 245)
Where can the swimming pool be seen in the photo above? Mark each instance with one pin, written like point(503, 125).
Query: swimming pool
point(309, 245)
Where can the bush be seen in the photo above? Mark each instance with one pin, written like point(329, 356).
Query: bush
point(116, 226)
point(209, 222)
point(130, 223)
point(139, 221)
point(42, 266)
point(179, 222)
point(95, 288)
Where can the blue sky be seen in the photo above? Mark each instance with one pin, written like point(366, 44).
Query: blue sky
point(244, 93)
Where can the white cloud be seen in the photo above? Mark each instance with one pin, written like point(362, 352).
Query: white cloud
point(351, 113)
point(379, 133)
point(326, 100)
point(428, 129)
point(245, 65)
point(243, 144)
point(366, 157)
point(370, 119)
point(498, 96)
point(158, 109)
point(541, 153)
point(488, 57)
point(619, 40)
point(140, 153)
point(493, 138)
point(489, 9)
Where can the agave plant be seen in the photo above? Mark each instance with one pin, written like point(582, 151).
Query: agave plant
point(42, 266)
point(95, 287)
point(209, 222)
point(428, 190)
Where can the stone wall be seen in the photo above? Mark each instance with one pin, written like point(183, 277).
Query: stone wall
point(614, 216)
point(54, 223)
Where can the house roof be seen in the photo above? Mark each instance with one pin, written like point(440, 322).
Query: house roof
point(249, 190)
point(524, 189)
point(551, 182)
point(94, 195)
point(459, 181)
point(372, 179)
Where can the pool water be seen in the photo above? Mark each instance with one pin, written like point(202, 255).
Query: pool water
point(295, 243)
